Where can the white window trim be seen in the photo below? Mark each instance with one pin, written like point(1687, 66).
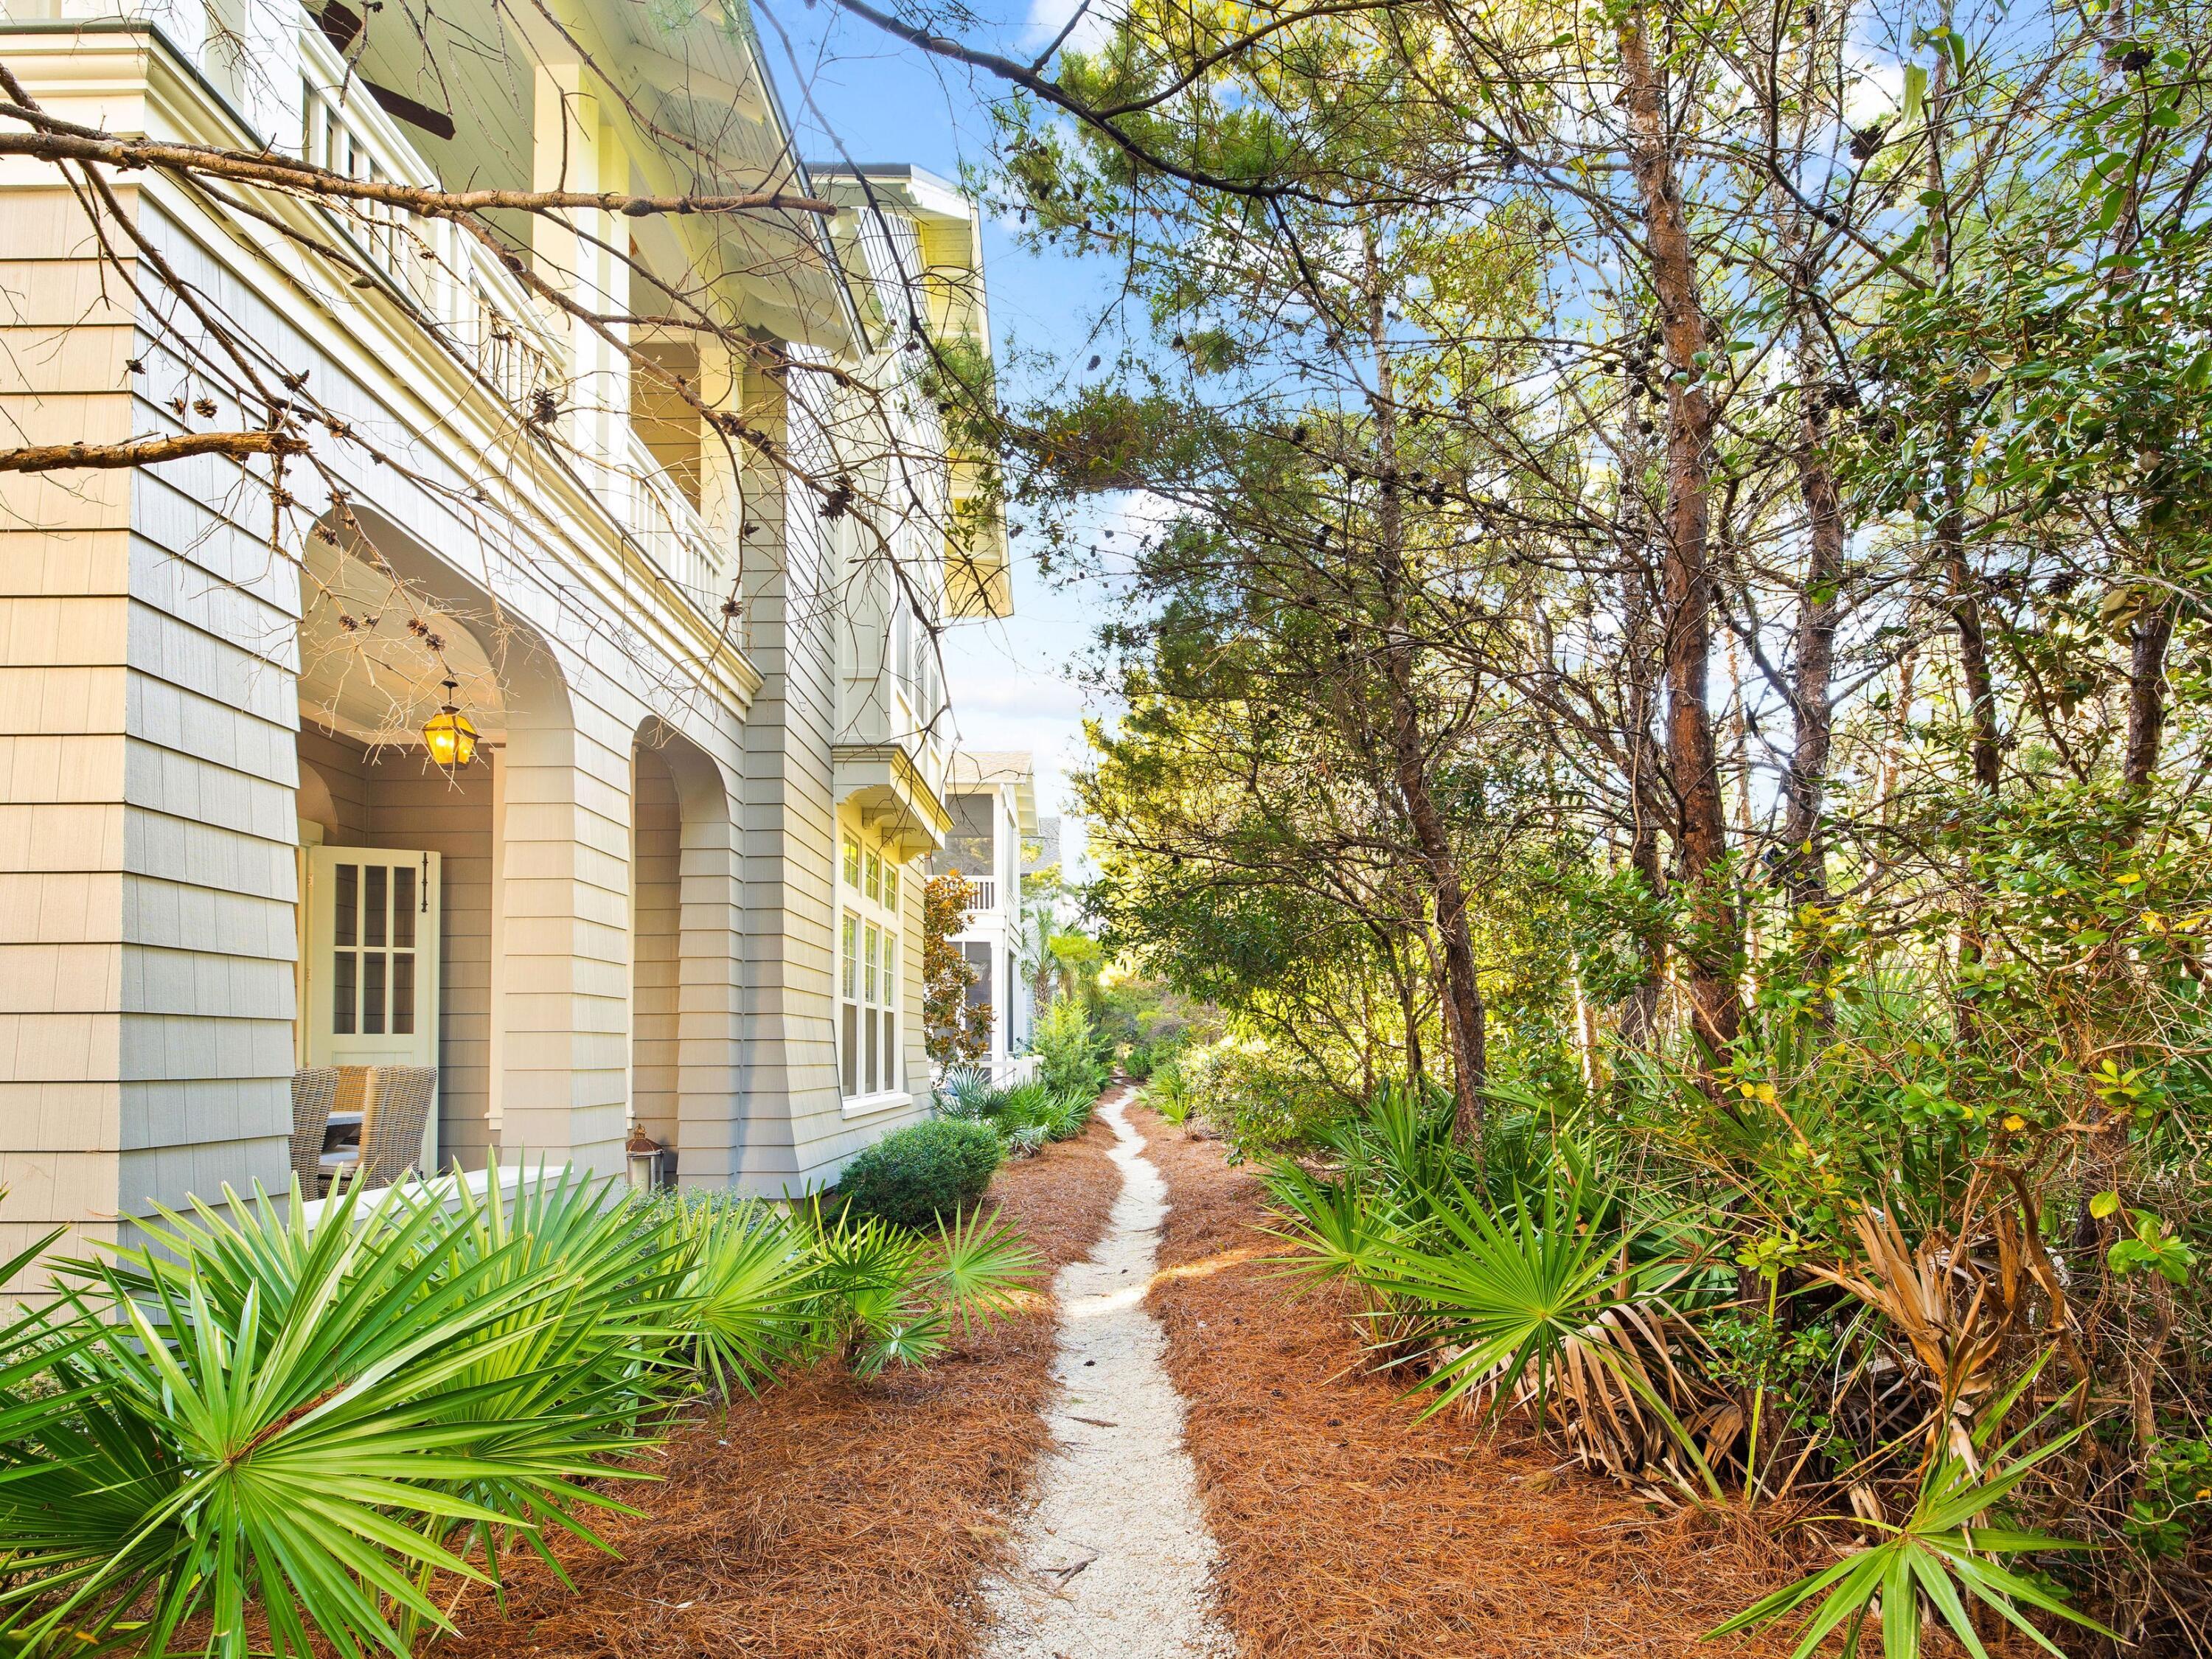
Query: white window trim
point(876, 1104)
point(853, 900)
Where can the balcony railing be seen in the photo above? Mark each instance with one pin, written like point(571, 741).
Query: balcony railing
point(454, 282)
point(462, 291)
point(982, 893)
point(669, 528)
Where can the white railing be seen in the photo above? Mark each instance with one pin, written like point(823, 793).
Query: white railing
point(982, 893)
point(1013, 1070)
point(492, 323)
point(455, 282)
point(448, 1190)
point(666, 524)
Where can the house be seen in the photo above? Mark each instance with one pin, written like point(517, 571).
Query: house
point(674, 889)
point(992, 795)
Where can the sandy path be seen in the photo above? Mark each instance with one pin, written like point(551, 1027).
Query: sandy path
point(1114, 1560)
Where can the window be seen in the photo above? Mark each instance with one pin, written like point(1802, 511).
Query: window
point(869, 992)
point(372, 950)
point(849, 1046)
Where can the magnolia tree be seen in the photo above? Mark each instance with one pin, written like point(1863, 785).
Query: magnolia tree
point(955, 1029)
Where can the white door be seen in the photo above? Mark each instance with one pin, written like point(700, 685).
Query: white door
point(372, 978)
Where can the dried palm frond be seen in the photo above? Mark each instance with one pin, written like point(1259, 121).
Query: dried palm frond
point(1936, 1298)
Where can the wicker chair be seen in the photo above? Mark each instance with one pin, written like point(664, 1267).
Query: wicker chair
point(391, 1126)
point(313, 1095)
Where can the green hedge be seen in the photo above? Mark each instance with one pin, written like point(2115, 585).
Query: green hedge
point(915, 1176)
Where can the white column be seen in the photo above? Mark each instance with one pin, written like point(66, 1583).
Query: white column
point(564, 999)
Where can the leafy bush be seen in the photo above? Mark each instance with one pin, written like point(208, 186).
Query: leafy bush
point(1166, 1093)
point(968, 1092)
point(339, 1422)
point(1027, 1116)
point(1070, 1052)
point(916, 1175)
point(1258, 1102)
point(890, 1296)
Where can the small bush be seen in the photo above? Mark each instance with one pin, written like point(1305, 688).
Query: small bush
point(1070, 1052)
point(967, 1092)
point(1029, 1115)
point(915, 1176)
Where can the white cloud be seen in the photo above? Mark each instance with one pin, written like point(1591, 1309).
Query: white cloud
point(1875, 90)
point(1047, 18)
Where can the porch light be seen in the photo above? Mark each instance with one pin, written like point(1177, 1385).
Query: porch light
point(452, 739)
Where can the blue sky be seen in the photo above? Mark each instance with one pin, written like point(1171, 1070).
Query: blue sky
point(888, 103)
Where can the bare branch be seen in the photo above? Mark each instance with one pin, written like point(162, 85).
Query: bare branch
point(144, 452)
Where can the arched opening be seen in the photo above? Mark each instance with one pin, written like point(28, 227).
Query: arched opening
point(398, 858)
point(656, 909)
point(683, 975)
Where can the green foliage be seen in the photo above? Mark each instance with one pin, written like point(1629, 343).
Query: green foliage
point(1939, 1550)
point(888, 1298)
point(340, 1424)
point(1166, 1093)
point(2174, 1504)
point(1070, 1056)
point(1025, 1117)
point(1258, 1099)
point(750, 1287)
point(1968, 925)
point(967, 1092)
point(916, 1175)
point(315, 1419)
point(953, 1031)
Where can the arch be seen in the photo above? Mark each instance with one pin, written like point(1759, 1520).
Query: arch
point(684, 1018)
point(530, 1027)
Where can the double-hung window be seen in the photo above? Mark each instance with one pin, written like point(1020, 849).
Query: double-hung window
point(868, 989)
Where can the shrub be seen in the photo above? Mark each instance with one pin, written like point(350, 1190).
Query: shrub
point(431, 1375)
point(967, 1091)
point(1258, 1102)
point(1070, 1057)
point(1027, 1116)
point(915, 1176)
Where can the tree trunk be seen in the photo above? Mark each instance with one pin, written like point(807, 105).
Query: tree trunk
point(1639, 1015)
point(1409, 758)
point(2153, 633)
point(1951, 518)
point(1702, 834)
point(1900, 721)
point(1805, 857)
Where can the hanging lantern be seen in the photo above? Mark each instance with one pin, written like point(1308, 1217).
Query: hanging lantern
point(452, 739)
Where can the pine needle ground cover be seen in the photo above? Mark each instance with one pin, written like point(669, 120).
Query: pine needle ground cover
point(1349, 1530)
point(834, 1517)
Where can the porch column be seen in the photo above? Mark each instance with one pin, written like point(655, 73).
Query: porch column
point(711, 1093)
point(564, 941)
point(574, 147)
point(789, 829)
point(146, 765)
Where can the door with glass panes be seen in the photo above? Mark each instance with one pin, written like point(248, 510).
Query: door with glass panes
point(371, 991)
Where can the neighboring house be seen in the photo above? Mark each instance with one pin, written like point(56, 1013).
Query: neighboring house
point(992, 798)
point(675, 889)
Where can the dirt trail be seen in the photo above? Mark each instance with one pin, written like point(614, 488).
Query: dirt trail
point(1114, 1561)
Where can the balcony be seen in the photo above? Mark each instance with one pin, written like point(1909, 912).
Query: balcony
point(515, 345)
